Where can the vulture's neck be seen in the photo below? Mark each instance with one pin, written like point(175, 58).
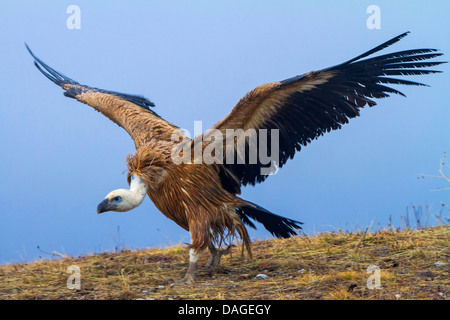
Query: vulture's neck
point(138, 190)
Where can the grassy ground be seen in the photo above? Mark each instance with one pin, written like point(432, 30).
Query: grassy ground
point(413, 265)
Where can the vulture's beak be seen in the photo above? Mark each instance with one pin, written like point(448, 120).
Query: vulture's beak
point(104, 206)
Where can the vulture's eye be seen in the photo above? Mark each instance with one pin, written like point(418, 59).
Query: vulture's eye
point(117, 199)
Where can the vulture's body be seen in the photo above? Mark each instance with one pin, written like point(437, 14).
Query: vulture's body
point(201, 197)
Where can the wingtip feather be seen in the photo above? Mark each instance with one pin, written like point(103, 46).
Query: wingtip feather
point(382, 46)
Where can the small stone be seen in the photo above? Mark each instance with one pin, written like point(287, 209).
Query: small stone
point(440, 264)
point(261, 276)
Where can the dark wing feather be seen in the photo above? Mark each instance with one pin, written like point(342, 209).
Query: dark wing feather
point(131, 112)
point(304, 107)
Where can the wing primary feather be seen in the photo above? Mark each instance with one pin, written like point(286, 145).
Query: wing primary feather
point(412, 65)
point(71, 92)
point(55, 76)
point(378, 48)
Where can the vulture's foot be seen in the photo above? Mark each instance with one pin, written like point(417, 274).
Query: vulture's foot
point(189, 276)
point(188, 279)
point(216, 254)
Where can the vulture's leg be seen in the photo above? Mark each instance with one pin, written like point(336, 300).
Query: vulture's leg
point(214, 260)
point(193, 260)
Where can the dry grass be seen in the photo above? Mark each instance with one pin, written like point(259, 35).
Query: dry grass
point(327, 266)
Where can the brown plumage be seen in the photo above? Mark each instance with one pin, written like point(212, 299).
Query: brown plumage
point(190, 195)
point(202, 197)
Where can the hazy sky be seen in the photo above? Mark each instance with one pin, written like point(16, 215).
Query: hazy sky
point(195, 60)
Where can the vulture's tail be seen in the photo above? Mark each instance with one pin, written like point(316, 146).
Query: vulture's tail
point(278, 226)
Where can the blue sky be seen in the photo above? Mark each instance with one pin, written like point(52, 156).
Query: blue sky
point(195, 60)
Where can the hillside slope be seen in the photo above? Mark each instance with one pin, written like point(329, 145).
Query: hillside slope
point(412, 264)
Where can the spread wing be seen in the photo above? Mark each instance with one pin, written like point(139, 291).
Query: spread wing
point(304, 107)
point(131, 112)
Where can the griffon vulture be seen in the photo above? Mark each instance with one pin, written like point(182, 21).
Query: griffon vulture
point(202, 197)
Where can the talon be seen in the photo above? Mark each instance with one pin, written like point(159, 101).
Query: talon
point(216, 254)
point(188, 279)
point(225, 251)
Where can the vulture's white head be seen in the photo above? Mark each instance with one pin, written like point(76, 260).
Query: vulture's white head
point(122, 200)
